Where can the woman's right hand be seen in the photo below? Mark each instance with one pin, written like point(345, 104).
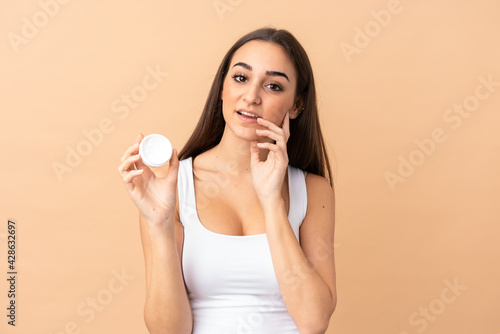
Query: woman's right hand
point(154, 196)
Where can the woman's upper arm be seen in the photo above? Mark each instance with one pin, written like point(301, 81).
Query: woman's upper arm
point(317, 229)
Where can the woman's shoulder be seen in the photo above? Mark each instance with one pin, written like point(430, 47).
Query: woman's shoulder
point(320, 204)
point(200, 161)
point(203, 161)
point(312, 180)
point(318, 187)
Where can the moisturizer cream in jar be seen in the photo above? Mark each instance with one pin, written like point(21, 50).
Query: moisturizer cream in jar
point(155, 150)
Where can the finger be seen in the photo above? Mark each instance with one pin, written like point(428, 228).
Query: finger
point(254, 153)
point(270, 146)
point(140, 137)
point(173, 167)
point(131, 150)
point(279, 138)
point(286, 126)
point(130, 176)
point(270, 125)
point(268, 133)
point(127, 164)
point(279, 135)
point(274, 151)
point(139, 164)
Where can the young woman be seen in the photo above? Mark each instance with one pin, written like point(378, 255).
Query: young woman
point(238, 235)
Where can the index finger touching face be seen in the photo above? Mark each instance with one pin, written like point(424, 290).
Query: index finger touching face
point(286, 125)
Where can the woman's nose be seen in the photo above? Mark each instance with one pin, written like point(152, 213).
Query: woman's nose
point(251, 95)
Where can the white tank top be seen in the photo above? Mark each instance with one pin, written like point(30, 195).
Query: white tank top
point(231, 283)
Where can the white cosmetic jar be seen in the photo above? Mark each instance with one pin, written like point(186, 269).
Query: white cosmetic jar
point(155, 150)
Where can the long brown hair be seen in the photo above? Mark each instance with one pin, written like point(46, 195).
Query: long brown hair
point(306, 147)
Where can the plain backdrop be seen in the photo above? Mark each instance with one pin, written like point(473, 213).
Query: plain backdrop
point(409, 97)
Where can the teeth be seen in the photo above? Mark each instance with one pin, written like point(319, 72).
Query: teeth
point(248, 114)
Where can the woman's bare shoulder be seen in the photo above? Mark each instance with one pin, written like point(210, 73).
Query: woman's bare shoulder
point(319, 192)
point(318, 183)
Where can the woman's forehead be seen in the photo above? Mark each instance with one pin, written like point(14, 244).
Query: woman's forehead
point(264, 56)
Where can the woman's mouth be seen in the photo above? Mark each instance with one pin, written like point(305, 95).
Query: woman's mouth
point(247, 117)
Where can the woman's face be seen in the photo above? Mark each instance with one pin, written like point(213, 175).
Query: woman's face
point(260, 82)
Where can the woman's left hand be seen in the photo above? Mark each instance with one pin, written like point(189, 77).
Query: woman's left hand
point(268, 175)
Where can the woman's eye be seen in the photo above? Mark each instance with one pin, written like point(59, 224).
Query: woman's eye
point(239, 78)
point(275, 87)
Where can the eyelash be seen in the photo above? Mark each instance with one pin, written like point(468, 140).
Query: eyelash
point(236, 77)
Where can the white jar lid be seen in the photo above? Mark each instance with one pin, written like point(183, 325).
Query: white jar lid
point(155, 150)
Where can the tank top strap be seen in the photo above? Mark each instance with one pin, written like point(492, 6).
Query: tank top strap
point(185, 189)
point(298, 198)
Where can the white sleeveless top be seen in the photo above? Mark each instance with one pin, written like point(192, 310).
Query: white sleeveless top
point(231, 283)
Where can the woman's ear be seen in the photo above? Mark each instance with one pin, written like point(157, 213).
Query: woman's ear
point(298, 107)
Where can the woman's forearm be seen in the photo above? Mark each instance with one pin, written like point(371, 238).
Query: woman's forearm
point(306, 295)
point(167, 308)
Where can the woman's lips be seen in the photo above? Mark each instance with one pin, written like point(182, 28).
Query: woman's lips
point(247, 117)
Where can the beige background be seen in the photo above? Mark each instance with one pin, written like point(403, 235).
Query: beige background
point(398, 248)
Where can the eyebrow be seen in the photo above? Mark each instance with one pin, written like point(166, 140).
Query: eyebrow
point(271, 73)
